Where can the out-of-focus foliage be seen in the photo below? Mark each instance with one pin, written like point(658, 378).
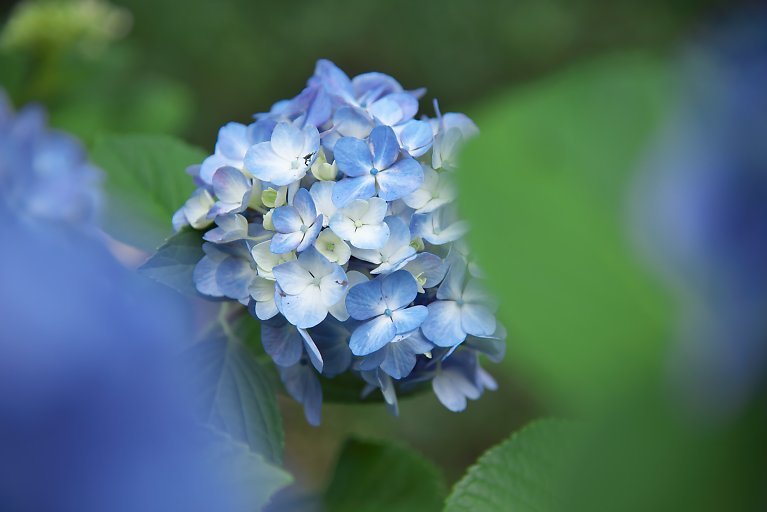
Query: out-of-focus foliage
point(71, 55)
point(582, 313)
point(86, 26)
point(240, 56)
point(145, 184)
point(374, 476)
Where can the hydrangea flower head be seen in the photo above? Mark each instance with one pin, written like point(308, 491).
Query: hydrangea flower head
point(332, 217)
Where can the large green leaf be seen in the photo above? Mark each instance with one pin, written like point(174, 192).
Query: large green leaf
point(545, 186)
point(145, 184)
point(237, 396)
point(173, 263)
point(522, 474)
point(373, 476)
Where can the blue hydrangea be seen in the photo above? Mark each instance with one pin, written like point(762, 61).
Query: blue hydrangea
point(45, 174)
point(332, 218)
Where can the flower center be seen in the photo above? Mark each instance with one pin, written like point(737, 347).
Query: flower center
point(459, 302)
point(373, 171)
point(331, 247)
point(387, 312)
point(294, 164)
point(304, 227)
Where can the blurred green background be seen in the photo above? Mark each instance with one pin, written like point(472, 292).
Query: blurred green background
point(566, 94)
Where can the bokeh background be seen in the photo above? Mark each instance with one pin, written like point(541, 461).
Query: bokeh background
point(599, 196)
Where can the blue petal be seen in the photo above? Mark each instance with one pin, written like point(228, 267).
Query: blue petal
point(372, 335)
point(353, 156)
point(400, 179)
point(302, 383)
point(231, 186)
point(333, 79)
point(443, 325)
point(477, 320)
point(365, 300)
point(286, 219)
point(452, 388)
point(311, 350)
point(332, 338)
point(285, 242)
point(352, 122)
point(311, 234)
point(292, 277)
point(349, 189)
point(407, 320)
point(303, 310)
point(385, 147)
point(282, 342)
point(417, 137)
point(400, 357)
point(452, 287)
point(232, 141)
point(399, 289)
point(261, 130)
point(304, 205)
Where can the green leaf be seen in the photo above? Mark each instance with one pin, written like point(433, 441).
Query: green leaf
point(249, 470)
point(236, 394)
point(373, 476)
point(521, 474)
point(545, 188)
point(174, 262)
point(145, 184)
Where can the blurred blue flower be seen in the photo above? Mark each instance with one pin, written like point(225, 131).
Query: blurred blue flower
point(701, 205)
point(45, 174)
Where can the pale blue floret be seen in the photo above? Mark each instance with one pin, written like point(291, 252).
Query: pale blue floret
point(394, 254)
point(262, 304)
point(462, 309)
point(460, 377)
point(373, 168)
point(286, 344)
point(362, 223)
point(416, 137)
point(233, 142)
point(439, 227)
point(225, 271)
point(45, 174)
point(297, 225)
point(383, 305)
point(232, 190)
point(287, 157)
point(308, 287)
point(427, 269)
point(195, 211)
point(451, 131)
point(229, 228)
point(399, 357)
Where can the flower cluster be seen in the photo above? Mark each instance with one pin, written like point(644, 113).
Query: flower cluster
point(44, 174)
point(332, 218)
